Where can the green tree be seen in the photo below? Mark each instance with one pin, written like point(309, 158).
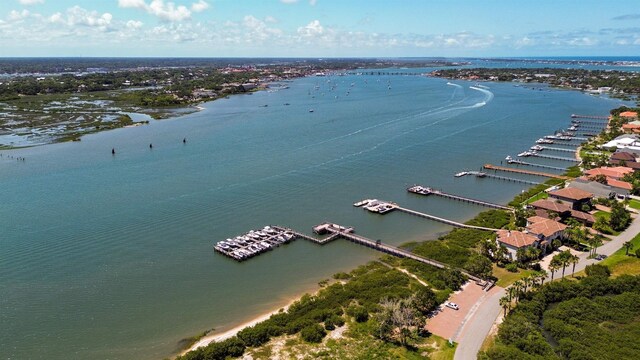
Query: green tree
point(627, 246)
point(313, 334)
point(620, 217)
point(479, 265)
point(505, 303)
point(425, 300)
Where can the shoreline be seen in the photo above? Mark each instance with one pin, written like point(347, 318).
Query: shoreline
point(218, 336)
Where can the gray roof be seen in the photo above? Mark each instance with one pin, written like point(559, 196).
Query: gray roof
point(597, 189)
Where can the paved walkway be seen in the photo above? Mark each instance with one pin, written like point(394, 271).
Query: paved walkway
point(477, 328)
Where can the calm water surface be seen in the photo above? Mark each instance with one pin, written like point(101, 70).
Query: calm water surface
point(111, 257)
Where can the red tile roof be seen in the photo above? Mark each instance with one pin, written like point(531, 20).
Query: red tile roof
point(516, 239)
point(629, 114)
point(544, 227)
point(628, 157)
point(571, 193)
point(619, 184)
point(615, 172)
point(580, 215)
point(551, 206)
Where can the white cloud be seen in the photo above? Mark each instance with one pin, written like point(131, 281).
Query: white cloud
point(199, 6)
point(134, 24)
point(165, 10)
point(312, 29)
point(15, 15)
point(76, 15)
point(31, 2)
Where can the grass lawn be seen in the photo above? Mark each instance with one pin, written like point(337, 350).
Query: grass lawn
point(633, 203)
point(442, 349)
point(506, 278)
point(538, 196)
point(619, 263)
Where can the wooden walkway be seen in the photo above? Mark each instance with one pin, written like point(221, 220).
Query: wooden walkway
point(555, 157)
point(376, 245)
point(442, 220)
point(536, 165)
point(461, 198)
point(558, 149)
point(526, 172)
point(577, 116)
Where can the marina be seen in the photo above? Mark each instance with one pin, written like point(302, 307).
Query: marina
point(254, 242)
point(422, 190)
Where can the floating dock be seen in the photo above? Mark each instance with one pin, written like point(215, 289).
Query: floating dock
point(254, 243)
point(421, 190)
point(522, 171)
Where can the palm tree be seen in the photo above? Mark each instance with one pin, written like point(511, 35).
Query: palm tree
point(554, 265)
point(556, 243)
point(627, 245)
point(573, 259)
point(511, 291)
point(596, 241)
point(526, 281)
point(518, 284)
point(505, 302)
point(541, 275)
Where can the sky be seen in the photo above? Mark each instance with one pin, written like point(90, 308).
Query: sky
point(319, 28)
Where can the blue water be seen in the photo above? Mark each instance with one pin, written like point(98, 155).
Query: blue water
point(107, 256)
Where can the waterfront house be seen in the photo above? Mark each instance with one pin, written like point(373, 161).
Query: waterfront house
point(615, 172)
point(625, 157)
point(545, 208)
point(629, 115)
point(631, 127)
point(599, 190)
point(545, 229)
point(514, 240)
point(575, 198)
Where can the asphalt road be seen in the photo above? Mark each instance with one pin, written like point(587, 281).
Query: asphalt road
point(478, 326)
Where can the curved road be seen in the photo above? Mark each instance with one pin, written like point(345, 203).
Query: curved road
point(476, 329)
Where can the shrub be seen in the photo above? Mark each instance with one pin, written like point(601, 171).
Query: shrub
point(597, 270)
point(638, 253)
point(313, 334)
point(511, 267)
point(359, 313)
point(333, 321)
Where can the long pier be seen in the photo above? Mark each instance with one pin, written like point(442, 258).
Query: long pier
point(555, 157)
point(425, 191)
point(340, 232)
point(442, 220)
point(577, 116)
point(505, 178)
point(518, 162)
point(522, 171)
point(558, 149)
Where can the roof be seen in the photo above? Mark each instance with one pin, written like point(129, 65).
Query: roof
point(631, 126)
point(619, 184)
point(615, 172)
point(629, 114)
point(596, 188)
point(571, 193)
point(516, 239)
point(623, 155)
point(551, 206)
point(580, 215)
point(536, 218)
point(545, 227)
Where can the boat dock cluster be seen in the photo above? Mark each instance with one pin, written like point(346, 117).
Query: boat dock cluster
point(376, 206)
point(254, 242)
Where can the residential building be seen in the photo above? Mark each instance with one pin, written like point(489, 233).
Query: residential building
point(575, 198)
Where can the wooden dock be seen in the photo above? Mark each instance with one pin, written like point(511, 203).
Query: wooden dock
point(558, 149)
point(442, 220)
point(522, 171)
point(396, 251)
point(577, 116)
point(518, 162)
point(455, 197)
point(555, 157)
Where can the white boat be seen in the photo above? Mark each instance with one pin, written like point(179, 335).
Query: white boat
point(361, 203)
point(537, 148)
point(460, 174)
point(525, 154)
